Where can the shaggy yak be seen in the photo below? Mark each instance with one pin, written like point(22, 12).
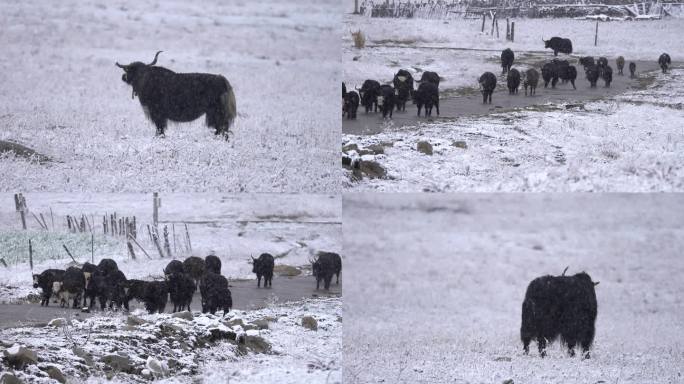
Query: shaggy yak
point(182, 97)
point(263, 267)
point(562, 306)
point(44, 281)
point(215, 293)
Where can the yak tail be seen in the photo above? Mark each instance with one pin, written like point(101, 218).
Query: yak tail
point(228, 108)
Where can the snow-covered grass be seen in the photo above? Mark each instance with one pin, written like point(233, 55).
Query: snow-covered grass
point(424, 44)
point(62, 95)
point(192, 350)
point(435, 285)
point(234, 227)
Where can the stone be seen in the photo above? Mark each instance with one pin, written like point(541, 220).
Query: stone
point(286, 270)
point(261, 323)
point(19, 356)
point(56, 374)
point(350, 147)
point(9, 378)
point(424, 147)
point(121, 363)
point(249, 327)
point(372, 169)
point(378, 149)
point(509, 381)
point(186, 315)
point(156, 367)
point(460, 144)
point(58, 322)
point(310, 323)
point(256, 344)
point(83, 354)
point(134, 320)
point(234, 322)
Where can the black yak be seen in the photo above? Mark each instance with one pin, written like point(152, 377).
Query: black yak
point(620, 62)
point(554, 70)
point(369, 95)
point(324, 267)
point(194, 267)
point(531, 80)
point(487, 86)
point(45, 281)
point(562, 306)
point(263, 267)
point(174, 266)
point(403, 84)
point(215, 293)
point(344, 89)
point(568, 73)
point(107, 266)
point(602, 62)
point(513, 81)
point(607, 75)
point(507, 57)
point(212, 264)
point(586, 61)
point(426, 95)
point(153, 294)
point(632, 69)
point(351, 104)
point(336, 261)
point(70, 289)
point(593, 73)
point(181, 288)
point(386, 100)
point(430, 77)
point(182, 97)
point(558, 44)
point(664, 62)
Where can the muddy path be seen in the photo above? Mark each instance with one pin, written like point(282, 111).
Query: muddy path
point(246, 296)
point(455, 103)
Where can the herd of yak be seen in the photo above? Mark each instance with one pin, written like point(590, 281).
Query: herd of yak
point(106, 283)
point(373, 95)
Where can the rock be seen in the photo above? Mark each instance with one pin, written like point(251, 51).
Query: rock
point(424, 147)
point(216, 334)
point(134, 320)
point(58, 322)
point(8, 378)
point(350, 147)
point(286, 270)
point(378, 149)
point(121, 363)
point(156, 367)
point(502, 358)
point(255, 344)
point(310, 323)
point(186, 315)
point(372, 169)
point(146, 373)
point(249, 327)
point(460, 144)
point(234, 322)
point(261, 324)
point(19, 356)
point(83, 354)
point(509, 381)
point(56, 374)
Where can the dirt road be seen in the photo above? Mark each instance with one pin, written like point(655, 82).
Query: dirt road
point(468, 102)
point(245, 294)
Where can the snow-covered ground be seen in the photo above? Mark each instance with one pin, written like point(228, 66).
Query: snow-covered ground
point(234, 227)
point(435, 284)
point(62, 95)
point(199, 350)
point(631, 142)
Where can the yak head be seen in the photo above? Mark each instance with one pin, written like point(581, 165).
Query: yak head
point(255, 264)
point(315, 267)
point(35, 281)
point(134, 70)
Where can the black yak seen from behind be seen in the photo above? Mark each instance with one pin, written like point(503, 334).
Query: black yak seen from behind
point(263, 267)
point(215, 293)
point(182, 97)
point(487, 86)
point(562, 306)
point(324, 267)
point(664, 61)
point(507, 57)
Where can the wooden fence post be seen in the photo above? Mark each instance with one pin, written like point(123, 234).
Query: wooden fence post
point(596, 35)
point(513, 31)
point(508, 30)
point(155, 207)
point(484, 16)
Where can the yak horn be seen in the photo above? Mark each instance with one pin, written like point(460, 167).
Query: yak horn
point(565, 270)
point(155, 58)
point(121, 66)
point(597, 283)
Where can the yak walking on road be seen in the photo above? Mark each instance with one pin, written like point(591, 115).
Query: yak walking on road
point(263, 267)
point(558, 44)
point(487, 85)
point(166, 95)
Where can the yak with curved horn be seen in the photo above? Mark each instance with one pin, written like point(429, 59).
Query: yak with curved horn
point(558, 44)
point(181, 97)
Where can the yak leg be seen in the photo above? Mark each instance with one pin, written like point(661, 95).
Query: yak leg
point(259, 281)
point(419, 106)
point(571, 347)
point(160, 122)
point(338, 278)
point(526, 345)
point(541, 345)
point(318, 283)
point(437, 105)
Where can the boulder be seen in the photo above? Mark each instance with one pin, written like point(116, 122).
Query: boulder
point(19, 356)
point(310, 323)
point(56, 374)
point(460, 144)
point(186, 315)
point(58, 322)
point(121, 363)
point(424, 147)
point(9, 378)
point(134, 320)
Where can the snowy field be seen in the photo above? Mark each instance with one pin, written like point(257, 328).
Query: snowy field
point(435, 285)
point(233, 227)
point(162, 348)
point(631, 142)
point(63, 97)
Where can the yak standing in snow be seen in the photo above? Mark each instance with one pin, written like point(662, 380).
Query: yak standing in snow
point(403, 84)
point(664, 62)
point(531, 80)
point(215, 293)
point(45, 281)
point(487, 86)
point(507, 57)
point(194, 267)
point(70, 289)
point(263, 267)
point(324, 267)
point(620, 62)
point(212, 264)
point(632, 69)
point(562, 306)
point(166, 95)
point(181, 288)
point(558, 44)
point(513, 81)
